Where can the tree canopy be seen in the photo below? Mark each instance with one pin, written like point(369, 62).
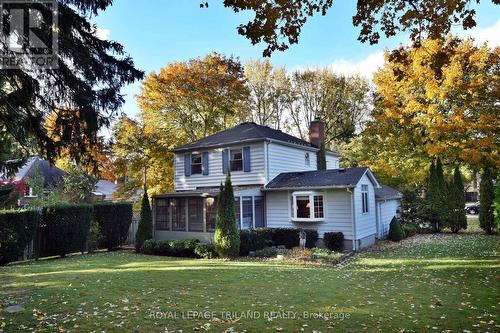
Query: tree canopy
point(278, 24)
point(436, 100)
point(83, 93)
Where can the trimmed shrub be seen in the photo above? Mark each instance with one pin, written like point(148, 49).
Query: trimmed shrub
point(145, 228)
point(206, 251)
point(174, 248)
point(254, 239)
point(334, 241)
point(486, 197)
point(226, 237)
point(183, 248)
point(266, 252)
point(289, 237)
point(409, 229)
point(148, 247)
point(114, 219)
point(395, 231)
point(17, 229)
point(63, 229)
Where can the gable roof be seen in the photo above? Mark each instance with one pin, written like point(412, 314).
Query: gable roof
point(50, 173)
point(244, 132)
point(333, 178)
point(385, 192)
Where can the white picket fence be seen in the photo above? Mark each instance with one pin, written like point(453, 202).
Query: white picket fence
point(133, 228)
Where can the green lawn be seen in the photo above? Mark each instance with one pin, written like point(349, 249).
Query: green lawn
point(439, 283)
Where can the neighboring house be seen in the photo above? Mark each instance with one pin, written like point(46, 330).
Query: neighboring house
point(104, 190)
point(52, 176)
point(276, 184)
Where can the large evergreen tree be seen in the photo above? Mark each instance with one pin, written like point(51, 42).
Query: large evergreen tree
point(456, 200)
point(226, 238)
point(82, 92)
point(435, 206)
point(486, 195)
point(496, 204)
point(145, 227)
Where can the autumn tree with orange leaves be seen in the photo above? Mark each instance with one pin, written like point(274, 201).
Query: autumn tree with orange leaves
point(437, 100)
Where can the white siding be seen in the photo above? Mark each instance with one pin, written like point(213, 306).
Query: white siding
point(282, 158)
point(332, 162)
point(386, 211)
point(366, 223)
point(216, 176)
point(337, 212)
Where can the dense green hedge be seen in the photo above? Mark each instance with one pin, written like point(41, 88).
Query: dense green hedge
point(396, 232)
point(334, 241)
point(191, 248)
point(257, 239)
point(254, 239)
point(114, 219)
point(289, 237)
point(17, 229)
point(63, 229)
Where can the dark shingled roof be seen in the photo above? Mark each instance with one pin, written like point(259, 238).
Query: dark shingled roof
point(385, 193)
point(245, 132)
point(348, 177)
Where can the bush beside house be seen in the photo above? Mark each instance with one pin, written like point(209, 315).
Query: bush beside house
point(396, 232)
point(63, 229)
point(114, 219)
point(17, 229)
point(334, 241)
point(226, 237)
point(145, 228)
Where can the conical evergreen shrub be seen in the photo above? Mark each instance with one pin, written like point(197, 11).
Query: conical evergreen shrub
point(226, 237)
point(145, 227)
point(456, 201)
point(395, 231)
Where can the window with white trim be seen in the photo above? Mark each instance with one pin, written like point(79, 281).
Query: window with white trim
point(364, 198)
point(196, 166)
point(307, 159)
point(236, 159)
point(307, 206)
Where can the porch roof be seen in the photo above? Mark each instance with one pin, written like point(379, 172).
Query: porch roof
point(189, 194)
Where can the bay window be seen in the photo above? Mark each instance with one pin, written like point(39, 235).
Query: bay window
point(307, 206)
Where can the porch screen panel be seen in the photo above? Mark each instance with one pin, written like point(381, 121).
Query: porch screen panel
point(161, 218)
point(178, 207)
point(195, 214)
point(259, 212)
point(247, 214)
point(211, 212)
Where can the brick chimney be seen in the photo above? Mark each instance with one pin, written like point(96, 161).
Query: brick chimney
point(317, 132)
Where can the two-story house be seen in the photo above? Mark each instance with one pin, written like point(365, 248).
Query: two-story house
point(276, 184)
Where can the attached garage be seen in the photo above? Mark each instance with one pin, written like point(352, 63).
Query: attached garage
point(388, 205)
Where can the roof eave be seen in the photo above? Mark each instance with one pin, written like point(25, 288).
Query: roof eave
point(293, 188)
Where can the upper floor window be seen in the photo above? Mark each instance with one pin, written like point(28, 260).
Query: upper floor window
point(307, 159)
point(196, 165)
point(307, 206)
point(236, 159)
point(364, 198)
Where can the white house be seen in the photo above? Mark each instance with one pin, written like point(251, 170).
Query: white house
point(276, 184)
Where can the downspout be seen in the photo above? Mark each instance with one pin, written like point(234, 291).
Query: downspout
point(354, 241)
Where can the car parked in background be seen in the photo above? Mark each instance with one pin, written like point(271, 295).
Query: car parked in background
point(472, 210)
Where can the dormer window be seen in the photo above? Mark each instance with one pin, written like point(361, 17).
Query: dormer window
point(307, 207)
point(236, 159)
point(196, 165)
point(307, 159)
